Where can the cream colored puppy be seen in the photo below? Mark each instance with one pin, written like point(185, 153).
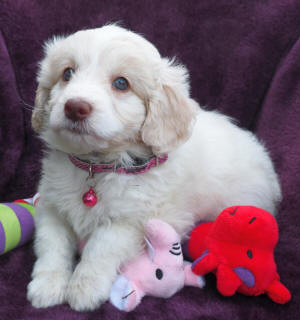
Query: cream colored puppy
point(107, 96)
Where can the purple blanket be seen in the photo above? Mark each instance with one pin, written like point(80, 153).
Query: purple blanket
point(244, 59)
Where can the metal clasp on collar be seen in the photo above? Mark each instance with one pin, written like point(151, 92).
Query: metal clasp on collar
point(156, 161)
point(91, 173)
point(90, 178)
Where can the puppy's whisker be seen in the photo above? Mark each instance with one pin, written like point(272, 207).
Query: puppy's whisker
point(26, 106)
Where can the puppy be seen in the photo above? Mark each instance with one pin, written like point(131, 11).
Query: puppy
point(106, 96)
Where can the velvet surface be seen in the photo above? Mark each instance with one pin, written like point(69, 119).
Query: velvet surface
point(244, 59)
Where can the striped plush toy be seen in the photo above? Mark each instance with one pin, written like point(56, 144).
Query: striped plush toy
point(16, 223)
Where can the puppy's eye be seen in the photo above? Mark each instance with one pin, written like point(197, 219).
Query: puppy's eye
point(67, 75)
point(120, 84)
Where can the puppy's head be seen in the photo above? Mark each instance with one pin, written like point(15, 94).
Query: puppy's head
point(109, 88)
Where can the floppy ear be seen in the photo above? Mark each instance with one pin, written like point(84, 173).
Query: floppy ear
point(170, 111)
point(41, 98)
point(46, 79)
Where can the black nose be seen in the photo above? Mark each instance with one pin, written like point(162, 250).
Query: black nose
point(77, 109)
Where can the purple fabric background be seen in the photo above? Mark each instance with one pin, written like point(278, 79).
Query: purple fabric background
point(244, 59)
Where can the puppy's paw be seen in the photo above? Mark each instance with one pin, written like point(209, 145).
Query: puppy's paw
point(48, 288)
point(87, 291)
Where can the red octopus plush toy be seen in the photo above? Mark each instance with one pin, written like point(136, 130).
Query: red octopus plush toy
point(239, 248)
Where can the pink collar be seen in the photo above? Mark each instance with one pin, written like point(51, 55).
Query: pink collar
point(112, 167)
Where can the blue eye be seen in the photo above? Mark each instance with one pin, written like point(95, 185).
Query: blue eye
point(67, 75)
point(120, 84)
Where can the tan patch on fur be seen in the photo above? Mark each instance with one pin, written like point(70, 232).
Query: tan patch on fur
point(41, 98)
point(169, 120)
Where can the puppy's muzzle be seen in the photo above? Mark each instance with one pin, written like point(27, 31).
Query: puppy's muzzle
point(77, 109)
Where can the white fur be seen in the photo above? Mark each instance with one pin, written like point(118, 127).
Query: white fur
point(212, 163)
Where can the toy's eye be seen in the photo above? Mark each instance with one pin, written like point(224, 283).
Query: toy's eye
point(159, 274)
point(120, 84)
point(252, 220)
point(250, 254)
point(67, 75)
point(232, 213)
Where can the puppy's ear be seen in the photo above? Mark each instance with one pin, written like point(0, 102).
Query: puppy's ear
point(170, 111)
point(47, 77)
point(41, 98)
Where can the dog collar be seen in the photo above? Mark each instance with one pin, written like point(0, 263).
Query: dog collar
point(90, 198)
point(140, 167)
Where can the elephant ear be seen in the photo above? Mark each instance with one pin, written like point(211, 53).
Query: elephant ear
point(150, 249)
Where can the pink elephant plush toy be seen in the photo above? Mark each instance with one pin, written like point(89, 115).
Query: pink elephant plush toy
point(160, 271)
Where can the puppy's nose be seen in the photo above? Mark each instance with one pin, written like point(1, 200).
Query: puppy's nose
point(77, 109)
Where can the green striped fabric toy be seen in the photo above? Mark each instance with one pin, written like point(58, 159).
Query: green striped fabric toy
point(16, 223)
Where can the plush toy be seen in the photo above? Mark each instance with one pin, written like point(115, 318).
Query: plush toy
point(239, 248)
point(16, 223)
point(160, 271)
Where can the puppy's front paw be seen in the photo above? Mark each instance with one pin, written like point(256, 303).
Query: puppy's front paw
point(48, 288)
point(87, 291)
